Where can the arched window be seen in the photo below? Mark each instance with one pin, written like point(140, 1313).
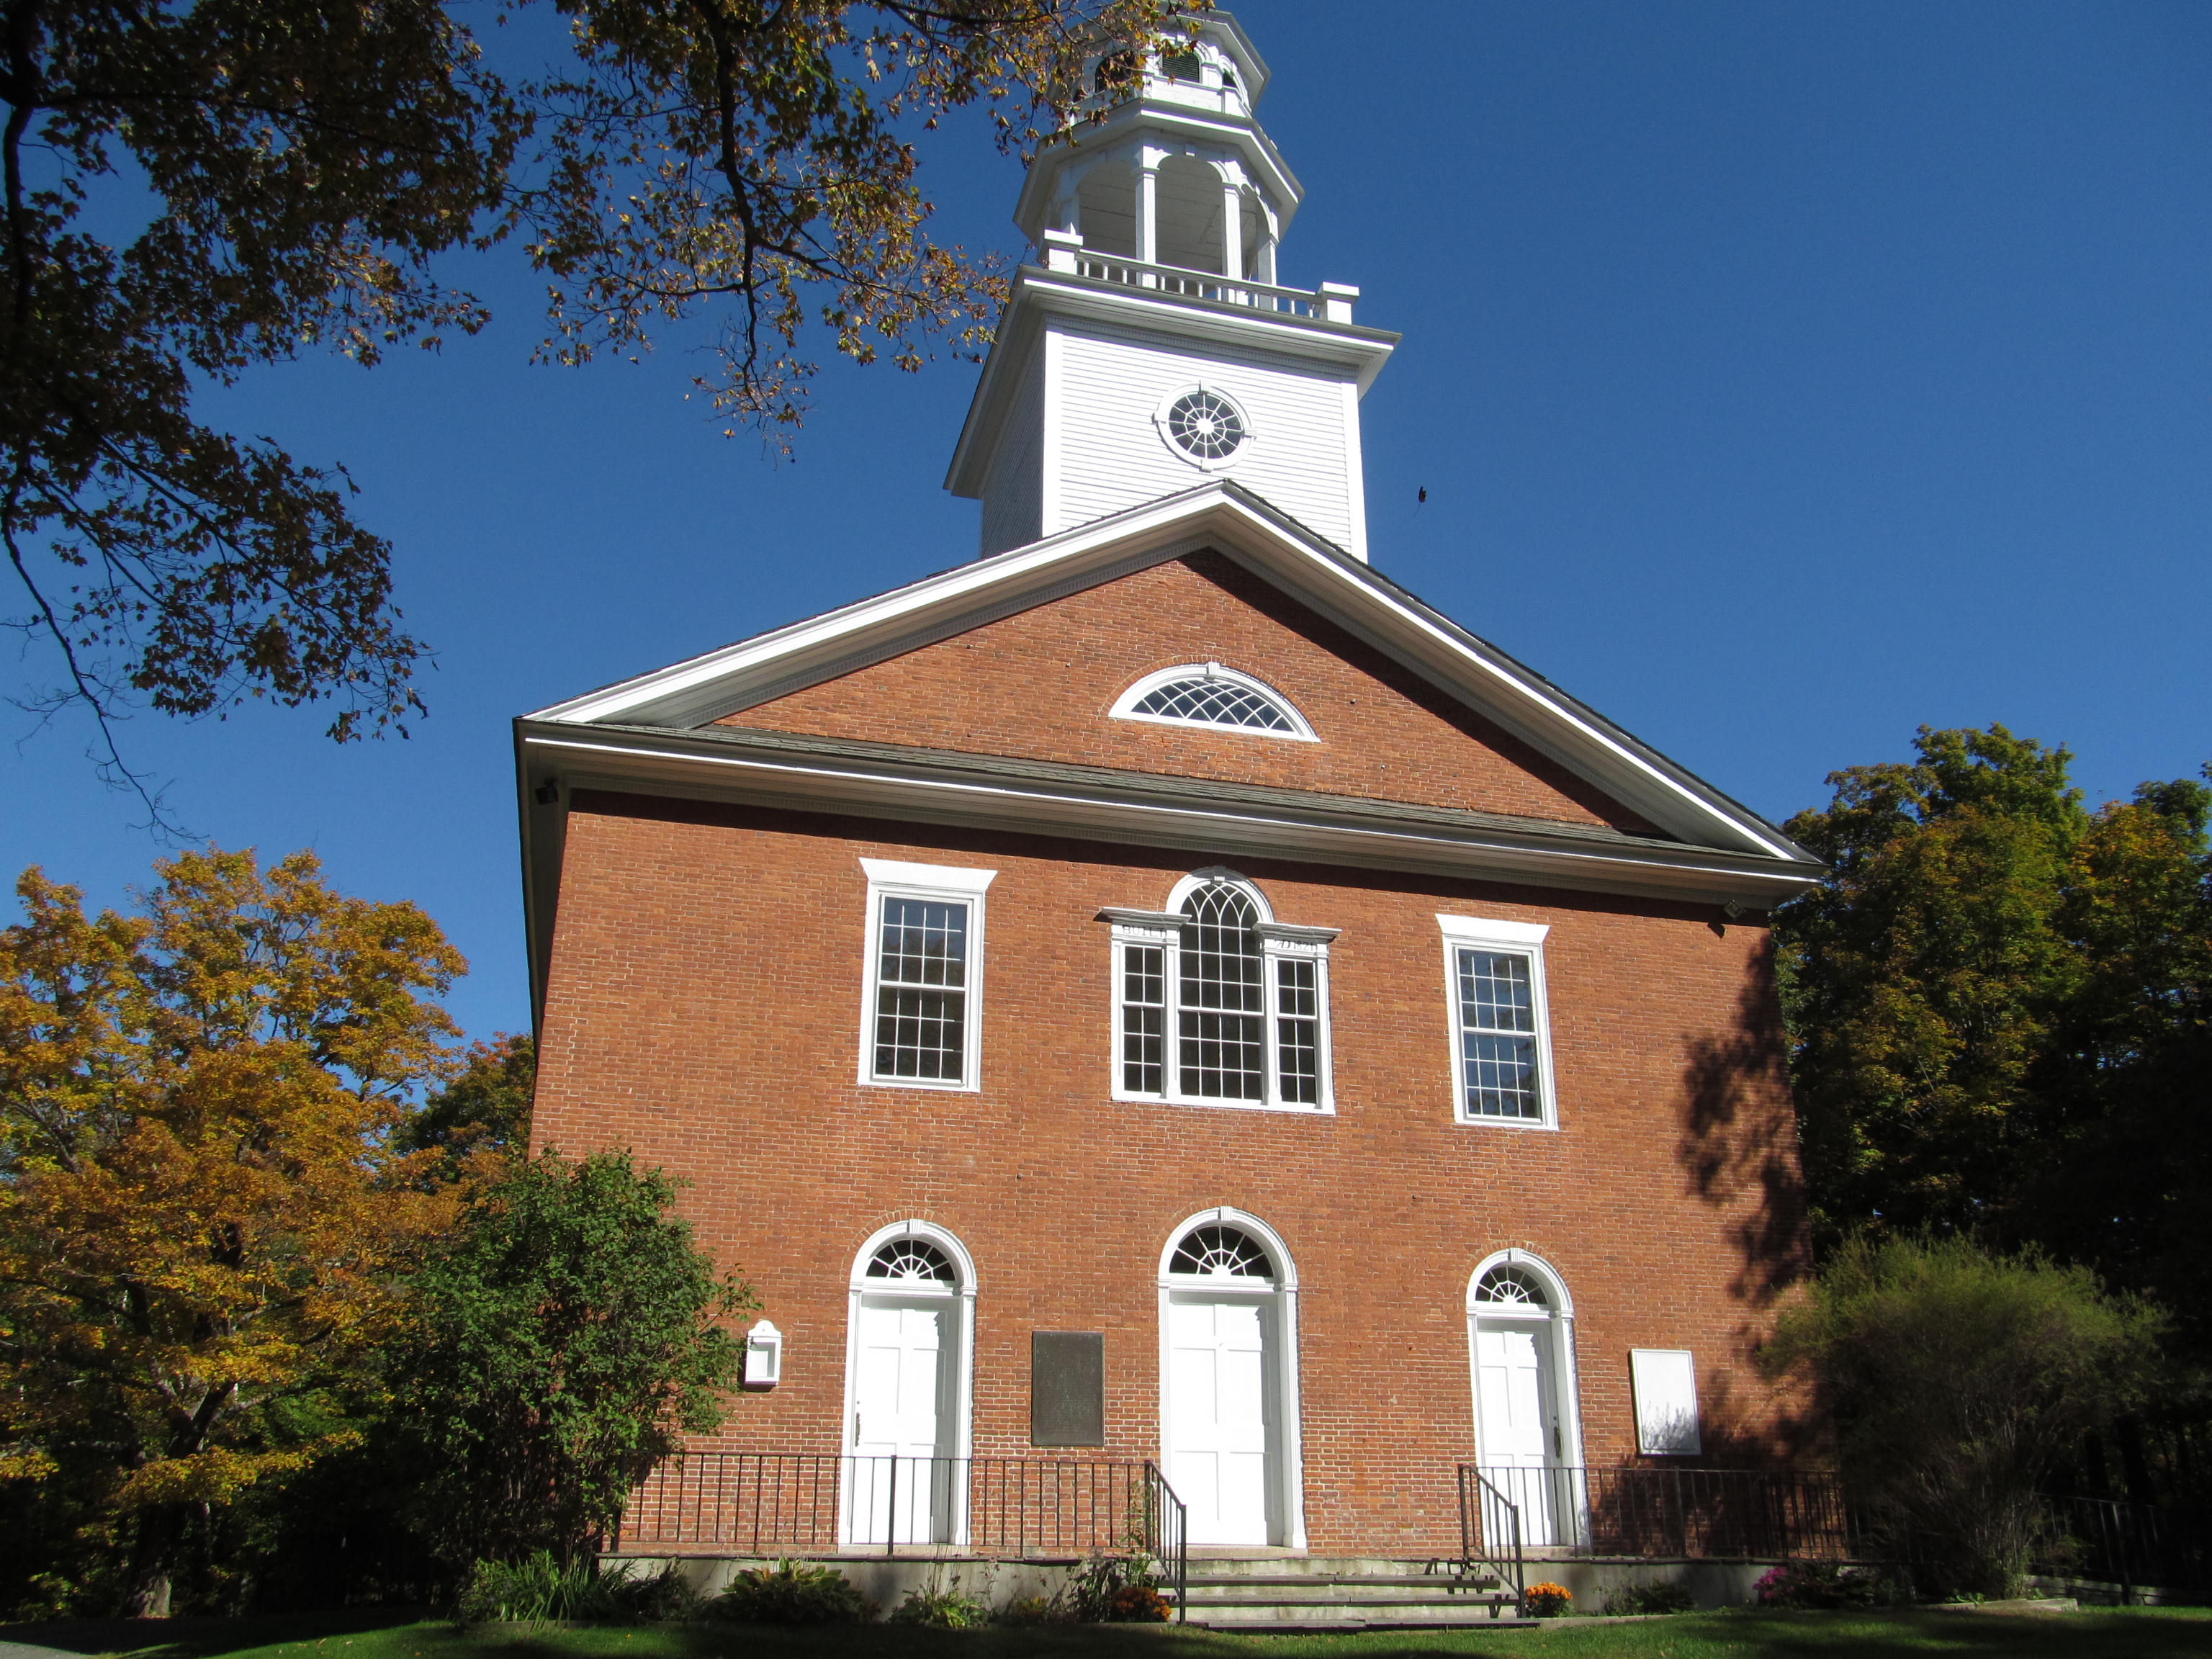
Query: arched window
point(911, 1261)
point(1220, 1252)
point(1504, 1287)
point(1219, 1004)
point(1207, 694)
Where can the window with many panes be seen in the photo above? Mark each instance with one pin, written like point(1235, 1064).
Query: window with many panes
point(1216, 1003)
point(922, 1017)
point(1501, 1039)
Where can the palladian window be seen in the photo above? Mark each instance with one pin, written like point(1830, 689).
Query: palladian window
point(1218, 1004)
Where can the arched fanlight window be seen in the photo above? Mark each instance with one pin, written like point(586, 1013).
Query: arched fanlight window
point(1219, 1252)
point(1207, 693)
point(1505, 1287)
point(1223, 1006)
point(913, 1261)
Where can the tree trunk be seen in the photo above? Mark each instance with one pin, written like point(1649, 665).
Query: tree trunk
point(153, 1560)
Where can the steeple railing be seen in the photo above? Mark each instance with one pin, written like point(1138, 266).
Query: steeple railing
point(1204, 285)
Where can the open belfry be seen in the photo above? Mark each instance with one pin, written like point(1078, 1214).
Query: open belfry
point(1187, 1041)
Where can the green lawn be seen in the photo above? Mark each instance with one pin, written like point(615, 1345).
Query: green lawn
point(2151, 1633)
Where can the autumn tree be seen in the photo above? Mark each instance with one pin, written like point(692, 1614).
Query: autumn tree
point(201, 1210)
point(483, 1108)
point(195, 187)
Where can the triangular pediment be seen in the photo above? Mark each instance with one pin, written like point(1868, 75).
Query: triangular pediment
point(1464, 725)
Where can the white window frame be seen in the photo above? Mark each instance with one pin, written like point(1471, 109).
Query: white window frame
point(939, 883)
point(1661, 1432)
point(1521, 939)
point(1279, 942)
point(1125, 706)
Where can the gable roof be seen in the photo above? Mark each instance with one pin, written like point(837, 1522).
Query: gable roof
point(641, 734)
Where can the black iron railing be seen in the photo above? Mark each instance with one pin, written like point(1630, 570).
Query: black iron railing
point(2116, 1542)
point(1489, 1533)
point(784, 1502)
point(1697, 1513)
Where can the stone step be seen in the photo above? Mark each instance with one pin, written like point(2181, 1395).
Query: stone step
point(1260, 1623)
point(1407, 1580)
point(1342, 1596)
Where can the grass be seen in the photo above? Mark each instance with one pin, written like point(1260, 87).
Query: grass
point(2133, 1633)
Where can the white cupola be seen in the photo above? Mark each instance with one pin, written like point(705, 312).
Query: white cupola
point(1150, 346)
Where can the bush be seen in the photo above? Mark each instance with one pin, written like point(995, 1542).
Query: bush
point(1959, 1380)
point(1658, 1595)
point(538, 1588)
point(790, 1593)
point(944, 1607)
point(1820, 1584)
point(1033, 1610)
point(1544, 1600)
point(1097, 1590)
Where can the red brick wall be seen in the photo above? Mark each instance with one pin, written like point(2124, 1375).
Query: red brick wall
point(1038, 685)
point(704, 1008)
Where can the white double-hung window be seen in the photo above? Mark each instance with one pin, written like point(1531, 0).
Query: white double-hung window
point(1218, 1004)
point(921, 1021)
point(1501, 1030)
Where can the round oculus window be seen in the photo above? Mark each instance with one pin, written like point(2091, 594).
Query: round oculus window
point(1205, 425)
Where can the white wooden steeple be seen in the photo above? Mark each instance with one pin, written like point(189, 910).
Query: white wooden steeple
point(1150, 347)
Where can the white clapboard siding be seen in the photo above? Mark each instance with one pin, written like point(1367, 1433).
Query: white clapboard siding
point(1108, 454)
point(1013, 496)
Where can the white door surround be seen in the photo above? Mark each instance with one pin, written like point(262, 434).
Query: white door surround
point(1229, 1380)
point(1528, 1421)
point(909, 1369)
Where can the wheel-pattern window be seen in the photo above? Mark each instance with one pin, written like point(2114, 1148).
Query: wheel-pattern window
point(1221, 1252)
point(1205, 425)
point(1222, 1024)
point(1214, 1004)
point(1498, 1035)
point(922, 1000)
point(1512, 1287)
point(913, 1260)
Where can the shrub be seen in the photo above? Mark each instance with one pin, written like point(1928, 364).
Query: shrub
point(539, 1588)
point(1138, 1604)
point(1546, 1600)
point(1657, 1596)
point(1033, 1610)
point(790, 1593)
point(1819, 1584)
point(945, 1607)
point(1094, 1588)
point(1959, 1380)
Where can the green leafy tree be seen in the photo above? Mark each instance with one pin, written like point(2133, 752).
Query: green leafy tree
point(566, 1339)
point(483, 1109)
point(1960, 1381)
point(195, 187)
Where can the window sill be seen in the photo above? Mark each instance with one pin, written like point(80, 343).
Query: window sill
point(1209, 1102)
point(932, 1084)
point(1542, 1125)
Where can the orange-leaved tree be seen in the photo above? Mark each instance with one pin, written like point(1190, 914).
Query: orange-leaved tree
point(202, 1211)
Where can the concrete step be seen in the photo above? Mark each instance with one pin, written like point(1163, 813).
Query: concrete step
point(1403, 1580)
point(1339, 1594)
point(1263, 1623)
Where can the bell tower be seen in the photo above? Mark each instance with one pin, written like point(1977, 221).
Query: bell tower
point(1150, 346)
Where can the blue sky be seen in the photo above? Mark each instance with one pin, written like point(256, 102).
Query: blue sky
point(1782, 377)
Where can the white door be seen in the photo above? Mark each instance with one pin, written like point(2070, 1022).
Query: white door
point(900, 1480)
point(1218, 1440)
point(1513, 1388)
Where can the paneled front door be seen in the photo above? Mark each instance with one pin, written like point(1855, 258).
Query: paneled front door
point(1519, 1421)
point(1219, 1415)
point(900, 1475)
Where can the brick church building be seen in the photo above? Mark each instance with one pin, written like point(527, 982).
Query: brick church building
point(1159, 993)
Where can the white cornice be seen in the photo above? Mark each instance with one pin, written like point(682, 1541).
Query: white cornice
point(1221, 516)
point(632, 762)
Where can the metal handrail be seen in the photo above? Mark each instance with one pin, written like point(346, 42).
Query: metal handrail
point(1693, 1513)
point(765, 1503)
point(1167, 1534)
point(1488, 1555)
